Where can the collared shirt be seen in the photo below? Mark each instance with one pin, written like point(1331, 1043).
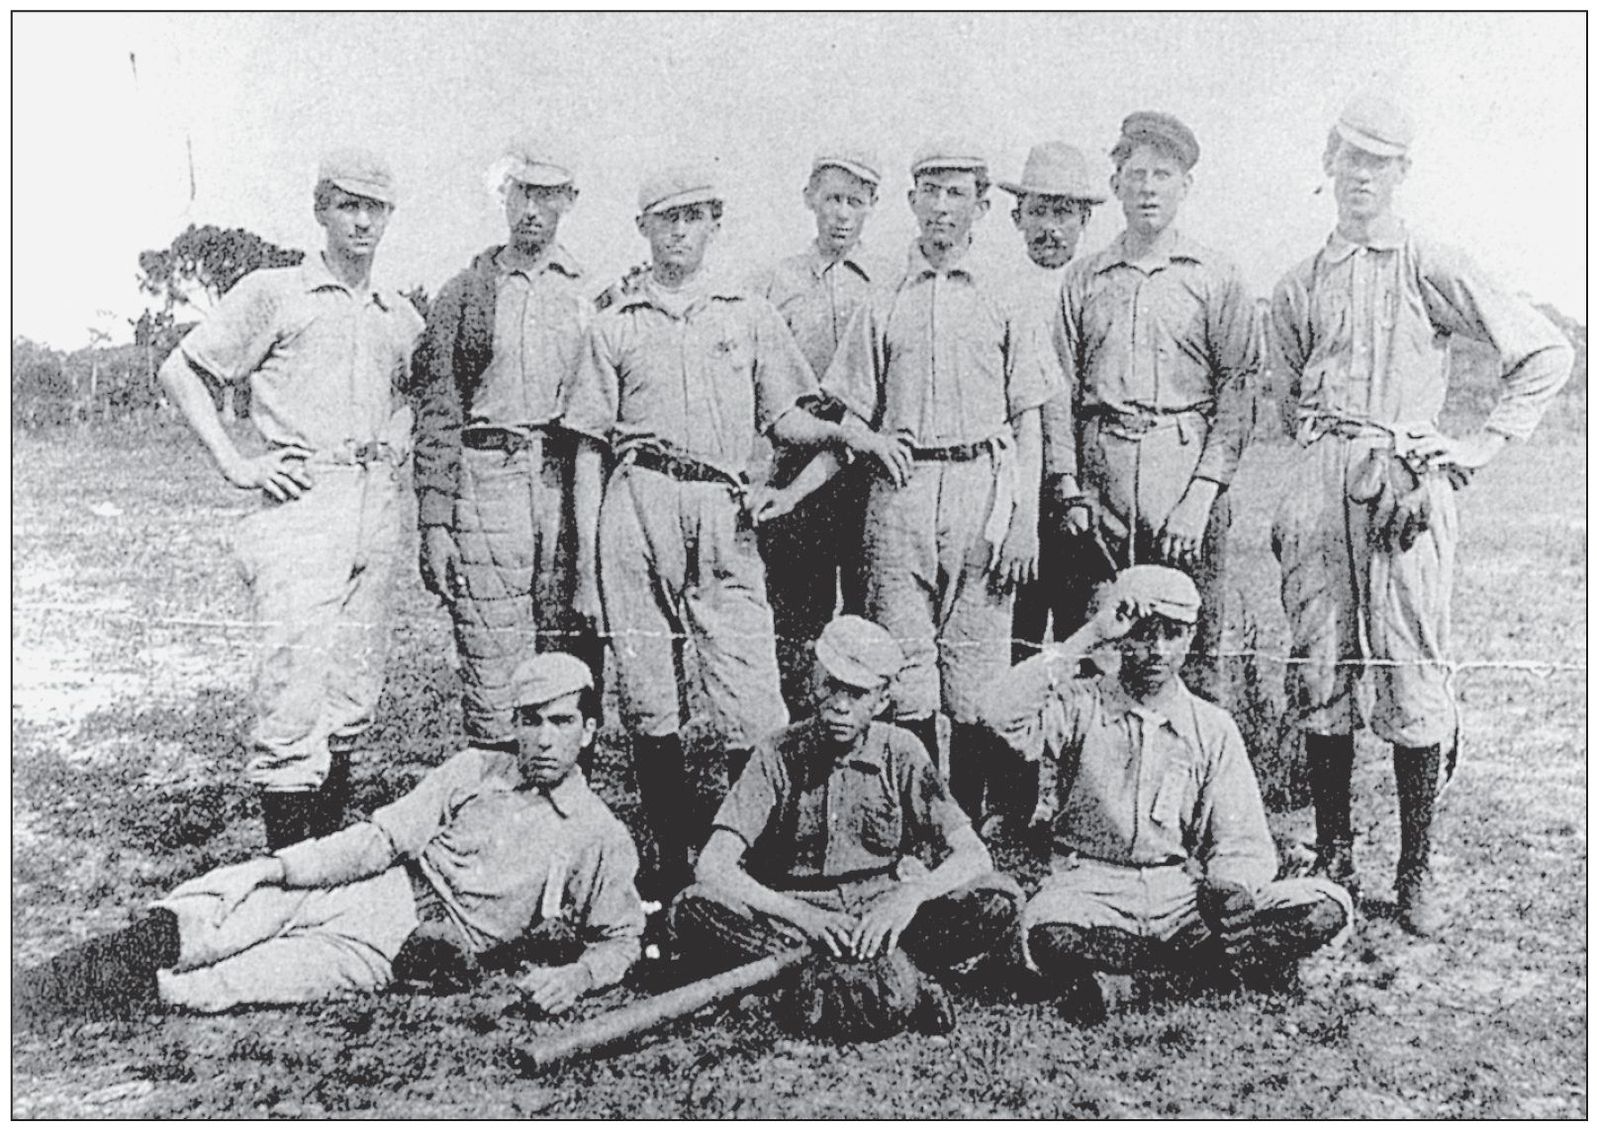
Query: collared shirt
point(704, 370)
point(805, 814)
point(1132, 783)
point(540, 319)
point(942, 358)
point(817, 298)
point(1176, 333)
point(324, 364)
point(501, 858)
point(1361, 331)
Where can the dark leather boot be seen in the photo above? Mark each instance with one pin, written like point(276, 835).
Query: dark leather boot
point(969, 754)
point(1417, 770)
point(332, 799)
point(667, 805)
point(1330, 763)
point(109, 977)
point(289, 816)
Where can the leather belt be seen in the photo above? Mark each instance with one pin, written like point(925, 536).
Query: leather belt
point(353, 454)
point(684, 468)
point(959, 453)
point(1135, 425)
point(509, 440)
point(826, 882)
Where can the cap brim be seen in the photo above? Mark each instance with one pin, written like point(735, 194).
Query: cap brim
point(868, 175)
point(1368, 142)
point(542, 176)
point(846, 670)
point(363, 188)
point(948, 165)
point(682, 199)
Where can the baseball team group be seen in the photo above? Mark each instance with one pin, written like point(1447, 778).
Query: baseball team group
point(929, 555)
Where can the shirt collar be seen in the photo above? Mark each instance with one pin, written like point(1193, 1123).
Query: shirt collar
point(920, 267)
point(818, 263)
point(565, 796)
point(679, 303)
point(1170, 708)
point(558, 259)
point(1178, 247)
point(316, 276)
point(1339, 247)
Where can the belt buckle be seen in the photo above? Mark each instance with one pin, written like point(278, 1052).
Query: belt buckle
point(367, 453)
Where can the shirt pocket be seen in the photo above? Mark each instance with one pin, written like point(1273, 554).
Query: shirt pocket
point(881, 828)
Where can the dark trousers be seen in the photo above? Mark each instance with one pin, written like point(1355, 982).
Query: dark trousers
point(1068, 570)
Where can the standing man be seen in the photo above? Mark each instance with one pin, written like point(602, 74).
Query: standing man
point(493, 474)
point(828, 834)
point(1157, 339)
point(1053, 202)
point(495, 856)
point(1367, 526)
point(679, 378)
point(814, 551)
point(1161, 855)
point(325, 354)
point(952, 376)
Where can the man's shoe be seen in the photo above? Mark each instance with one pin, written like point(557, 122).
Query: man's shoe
point(1417, 909)
point(934, 1012)
point(1334, 861)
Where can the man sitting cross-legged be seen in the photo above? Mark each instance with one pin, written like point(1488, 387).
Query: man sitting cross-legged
point(490, 854)
point(822, 839)
point(1161, 854)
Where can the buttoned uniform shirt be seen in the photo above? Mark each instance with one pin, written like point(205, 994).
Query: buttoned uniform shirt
point(501, 858)
point(809, 815)
point(942, 357)
point(1037, 288)
point(540, 318)
point(501, 350)
point(1177, 334)
point(817, 298)
point(702, 370)
point(1361, 329)
point(324, 364)
point(1138, 784)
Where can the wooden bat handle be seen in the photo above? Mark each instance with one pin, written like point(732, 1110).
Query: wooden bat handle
point(640, 1016)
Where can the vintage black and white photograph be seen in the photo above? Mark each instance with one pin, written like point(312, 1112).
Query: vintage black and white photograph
point(764, 565)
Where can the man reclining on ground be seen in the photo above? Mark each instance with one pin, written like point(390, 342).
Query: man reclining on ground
point(1161, 854)
point(492, 856)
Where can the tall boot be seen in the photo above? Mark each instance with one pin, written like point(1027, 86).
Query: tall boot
point(289, 816)
point(1330, 762)
point(332, 799)
point(1416, 768)
point(969, 749)
point(111, 976)
point(666, 801)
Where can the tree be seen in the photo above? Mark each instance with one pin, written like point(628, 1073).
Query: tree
point(204, 263)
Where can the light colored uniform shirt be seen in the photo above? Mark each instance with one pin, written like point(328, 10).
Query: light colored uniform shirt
point(942, 358)
point(1179, 335)
point(1038, 289)
point(805, 814)
point(702, 370)
point(1361, 332)
point(817, 299)
point(501, 858)
point(539, 323)
point(1135, 784)
point(323, 364)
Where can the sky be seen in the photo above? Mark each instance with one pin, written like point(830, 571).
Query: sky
point(108, 107)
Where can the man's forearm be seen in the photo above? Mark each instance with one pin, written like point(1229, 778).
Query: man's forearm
point(193, 399)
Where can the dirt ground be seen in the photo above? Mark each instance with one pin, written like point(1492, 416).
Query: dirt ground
point(130, 675)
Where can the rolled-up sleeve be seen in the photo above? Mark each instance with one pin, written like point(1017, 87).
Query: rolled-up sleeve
point(782, 377)
point(1030, 707)
point(1233, 332)
point(1031, 371)
point(854, 377)
point(604, 890)
point(238, 333)
point(593, 400)
point(1536, 357)
point(751, 802)
point(1234, 844)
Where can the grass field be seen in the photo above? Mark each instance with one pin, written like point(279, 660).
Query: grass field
point(131, 666)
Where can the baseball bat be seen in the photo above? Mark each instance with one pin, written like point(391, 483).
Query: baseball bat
point(640, 1016)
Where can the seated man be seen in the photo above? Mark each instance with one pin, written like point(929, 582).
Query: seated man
point(489, 846)
point(825, 837)
point(1161, 854)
